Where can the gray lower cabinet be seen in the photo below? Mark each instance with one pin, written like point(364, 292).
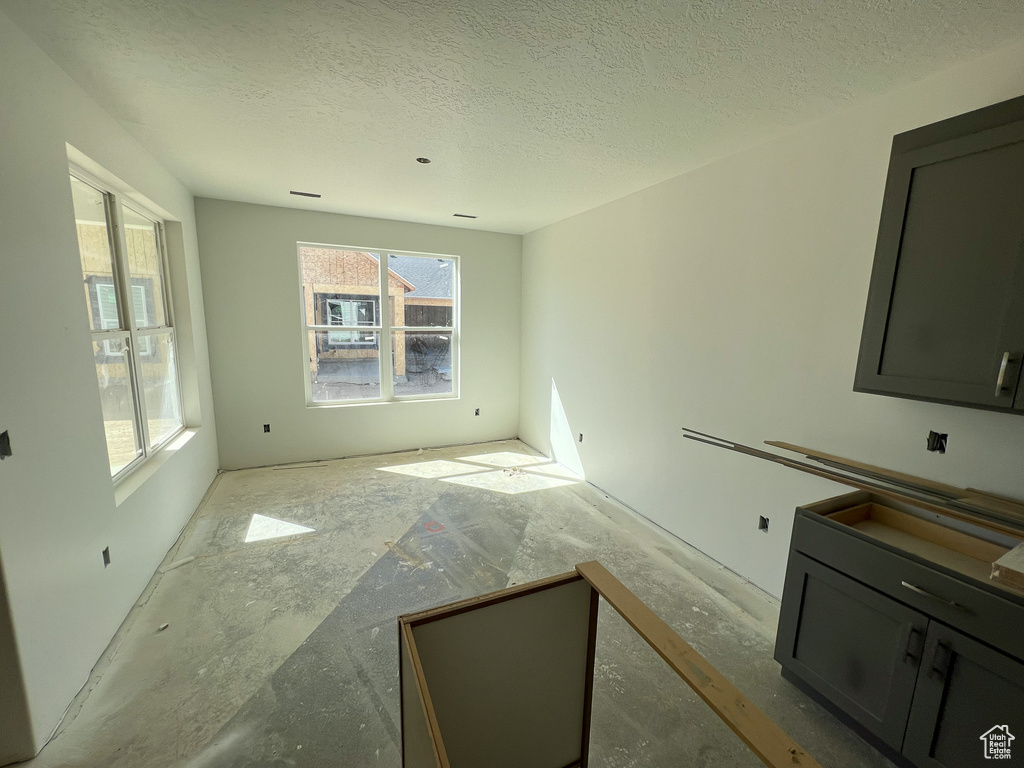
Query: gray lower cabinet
point(965, 690)
point(853, 645)
point(886, 621)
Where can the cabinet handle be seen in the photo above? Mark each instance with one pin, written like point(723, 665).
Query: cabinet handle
point(926, 593)
point(1001, 378)
point(914, 644)
point(940, 660)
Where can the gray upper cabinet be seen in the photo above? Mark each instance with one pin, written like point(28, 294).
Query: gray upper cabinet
point(945, 311)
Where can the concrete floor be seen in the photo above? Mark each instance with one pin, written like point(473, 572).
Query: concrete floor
point(283, 652)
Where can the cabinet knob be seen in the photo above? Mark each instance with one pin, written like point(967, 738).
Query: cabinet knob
point(1001, 378)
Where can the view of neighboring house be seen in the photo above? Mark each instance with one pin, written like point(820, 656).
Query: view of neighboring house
point(142, 268)
point(342, 288)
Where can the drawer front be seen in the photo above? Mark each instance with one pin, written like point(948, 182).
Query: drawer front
point(953, 601)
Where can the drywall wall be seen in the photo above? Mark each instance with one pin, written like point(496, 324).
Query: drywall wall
point(251, 283)
point(15, 728)
point(730, 300)
point(58, 508)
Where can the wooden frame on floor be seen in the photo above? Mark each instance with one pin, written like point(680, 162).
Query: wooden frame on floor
point(506, 679)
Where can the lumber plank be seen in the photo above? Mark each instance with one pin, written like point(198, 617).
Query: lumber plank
point(940, 488)
point(1009, 569)
point(759, 732)
point(472, 603)
point(965, 497)
point(419, 684)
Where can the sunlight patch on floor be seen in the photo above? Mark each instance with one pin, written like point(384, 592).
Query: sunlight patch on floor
point(509, 481)
point(262, 528)
point(439, 468)
point(553, 469)
point(505, 459)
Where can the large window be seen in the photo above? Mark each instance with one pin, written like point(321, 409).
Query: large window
point(124, 274)
point(358, 352)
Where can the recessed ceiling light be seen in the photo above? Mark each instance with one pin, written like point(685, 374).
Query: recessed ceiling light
point(464, 216)
point(304, 194)
point(423, 160)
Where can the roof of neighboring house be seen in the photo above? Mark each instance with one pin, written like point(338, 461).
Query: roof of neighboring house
point(429, 279)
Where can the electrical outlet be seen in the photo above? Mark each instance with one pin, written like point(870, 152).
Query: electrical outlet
point(937, 442)
point(106, 556)
point(266, 427)
point(762, 523)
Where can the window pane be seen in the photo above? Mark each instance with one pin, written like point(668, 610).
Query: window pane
point(95, 253)
point(423, 363)
point(123, 444)
point(146, 268)
point(351, 312)
point(425, 294)
point(141, 317)
point(106, 302)
point(344, 371)
point(340, 287)
point(160, 386)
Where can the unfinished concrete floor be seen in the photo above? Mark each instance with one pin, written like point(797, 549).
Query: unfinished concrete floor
point(283, 651)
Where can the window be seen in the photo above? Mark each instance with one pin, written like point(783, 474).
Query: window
point(123, 270)
point(358, 353)
point(350, 312)
point(106, 309)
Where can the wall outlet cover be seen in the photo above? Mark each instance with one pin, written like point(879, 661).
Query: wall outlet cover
point(937, 442)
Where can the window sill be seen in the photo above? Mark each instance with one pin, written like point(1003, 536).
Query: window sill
point(419, 399)
point(135, 479)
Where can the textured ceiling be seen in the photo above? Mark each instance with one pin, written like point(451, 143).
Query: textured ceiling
point(531, 111)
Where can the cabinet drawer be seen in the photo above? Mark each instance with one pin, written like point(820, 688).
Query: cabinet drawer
point(986, 616)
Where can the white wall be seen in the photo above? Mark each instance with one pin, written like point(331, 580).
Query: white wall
point(730, 300)
point(57, 502)
point(251, 283)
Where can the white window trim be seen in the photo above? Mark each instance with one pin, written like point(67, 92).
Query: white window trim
point(114, 201)
point(384, 329)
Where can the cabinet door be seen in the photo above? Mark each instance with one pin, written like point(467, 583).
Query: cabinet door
point(947, 289)
point(856, 646)
point(965, 692)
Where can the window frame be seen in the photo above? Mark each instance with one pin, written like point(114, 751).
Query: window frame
point(114, 202)
point(383, 328)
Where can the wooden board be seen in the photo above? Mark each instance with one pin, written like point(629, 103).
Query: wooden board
point(1009, 569)
point(997, 513)
point(507, 674)
point(419, 749)
point(759, 732)
point(940, 488)
point(969, 497)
